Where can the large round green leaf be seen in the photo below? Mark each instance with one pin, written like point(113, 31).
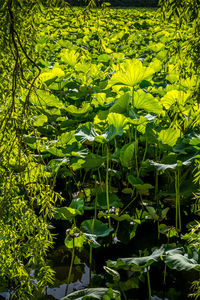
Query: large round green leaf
point(127, 155)
point(130, 73)
point(179, 260)
point(93, 293)
point(125, 263)
point(146, 101)
point(96, 227)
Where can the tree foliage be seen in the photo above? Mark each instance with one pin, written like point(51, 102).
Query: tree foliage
point(187, 13)
point(26, 194)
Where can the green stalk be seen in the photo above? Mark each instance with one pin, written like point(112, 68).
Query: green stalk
point(107, 187)
point(165, 270)
point(158, 231)
point(156, 177)
point(149, 284)
point(179, 210)
point(124, 294)
point(95, 216)
point(136, 152)
point(99, 174)
point(156, 187)
point(115, 234)
point(92, 229)
point(178, 207)
point(144, 156)
point(129, 134)
point(176, 200)
point(165, 273)
point(70, 269)
point(133, 97)
point(115, 141)
point(128, 204)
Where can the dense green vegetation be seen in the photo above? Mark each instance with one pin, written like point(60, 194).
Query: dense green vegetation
point(119, 3)
point(99, 147)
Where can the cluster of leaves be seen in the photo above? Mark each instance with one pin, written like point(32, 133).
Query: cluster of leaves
point(115, 120)
point(105, 116)
point(26, 197)
point(186, 13)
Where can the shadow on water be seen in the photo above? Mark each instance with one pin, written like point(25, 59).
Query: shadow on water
point(177, 283)
point(59, 292)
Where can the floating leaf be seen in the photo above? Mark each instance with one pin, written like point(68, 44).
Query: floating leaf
point(144, 186)
point(55, 164)
point(70, 150)
point(104, 58)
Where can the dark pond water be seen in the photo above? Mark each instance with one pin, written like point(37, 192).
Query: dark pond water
point(177, 285)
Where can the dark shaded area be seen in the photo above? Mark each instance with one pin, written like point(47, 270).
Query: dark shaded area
point(119, 3)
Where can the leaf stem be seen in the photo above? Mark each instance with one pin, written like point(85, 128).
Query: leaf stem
point(133, 97)
point(149, 284)
point(70, 269)
point(107, 187)
point(136, 152)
